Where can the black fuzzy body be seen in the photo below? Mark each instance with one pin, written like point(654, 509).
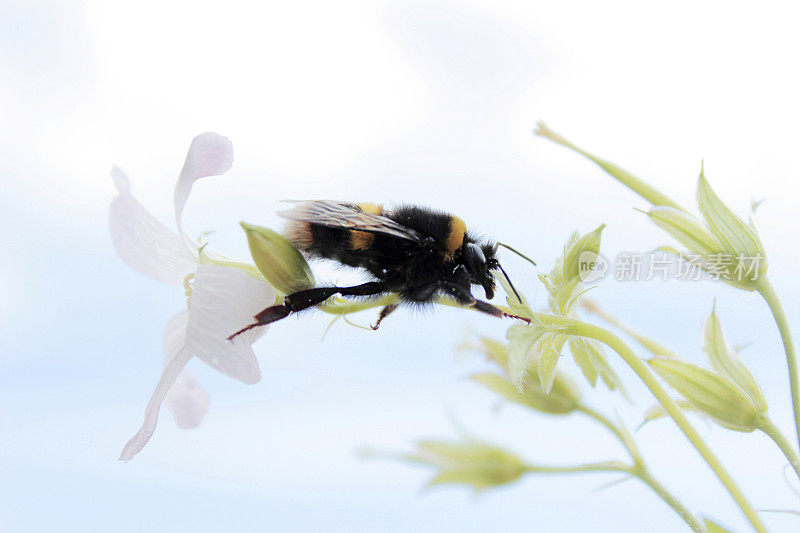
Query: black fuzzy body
point(404, 265)
point(415, 252)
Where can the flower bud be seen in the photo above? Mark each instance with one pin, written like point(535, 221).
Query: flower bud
point(657, 411)
point(726, 363)
point(283, 266)
point(738, 238)
point(563, 398)
point(685, 229)
point(575, 254)
point(711, 393)
point(474, 463)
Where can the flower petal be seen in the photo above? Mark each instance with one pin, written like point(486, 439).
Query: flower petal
point(210, 154)
point(168, 377)
point(224, 300)
point(143, 242)
point(185, 399)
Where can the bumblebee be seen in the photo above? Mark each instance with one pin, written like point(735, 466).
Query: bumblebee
point(412, 251)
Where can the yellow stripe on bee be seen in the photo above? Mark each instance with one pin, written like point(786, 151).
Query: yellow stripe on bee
point(455, 239)
point(361, 240)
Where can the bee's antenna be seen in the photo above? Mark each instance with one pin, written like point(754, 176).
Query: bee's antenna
point(531, 261)
point(509, 282)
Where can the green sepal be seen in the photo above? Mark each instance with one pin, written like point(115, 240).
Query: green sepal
point(283, 266)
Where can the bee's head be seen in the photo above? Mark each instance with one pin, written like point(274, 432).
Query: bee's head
point(480, 261)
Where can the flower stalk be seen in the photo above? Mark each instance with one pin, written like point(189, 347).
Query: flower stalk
point(576, 327)
point(640, 470)
point(767, 291)
point(773, 432)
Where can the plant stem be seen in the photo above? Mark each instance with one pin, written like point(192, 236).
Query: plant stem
point(640, 469)
point(606, 466)
point(614, 428)
point(645, 475)
point(575, 327)
point(767, 292)
point(774, 432)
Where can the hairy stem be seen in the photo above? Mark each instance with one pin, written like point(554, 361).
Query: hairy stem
point(648, 478)
point(576, 327)
point(613, 428)
point(606, 466)
point(767, 292)
point(641, 471)
point(774, 432)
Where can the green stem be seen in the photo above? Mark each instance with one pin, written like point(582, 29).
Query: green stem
point(641, 471)
point(606, 466)
point(614, 428)
point(342, 306)
point(637, 185)
point(648, 478)
point(574, 327)
point(774, 432)
point(767, 292)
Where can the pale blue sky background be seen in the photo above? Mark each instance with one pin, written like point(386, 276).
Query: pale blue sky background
point(426, 102)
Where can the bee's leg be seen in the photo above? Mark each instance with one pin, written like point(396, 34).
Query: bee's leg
point(463, 295)
point(489, 309)
point(386, 311)
point(300, 300)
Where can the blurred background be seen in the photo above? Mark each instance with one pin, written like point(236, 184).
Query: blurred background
point(408, 101)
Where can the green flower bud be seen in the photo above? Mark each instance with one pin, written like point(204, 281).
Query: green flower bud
point(711, 393)
point(283, 266)
point(474, 463)
point(657, 411)
point(685, 229)
point(739, 239)
point(721, 265)
point(726, 363)
point(588, 244)
point(563, 398)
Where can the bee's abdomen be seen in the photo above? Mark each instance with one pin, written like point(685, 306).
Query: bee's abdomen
point(350, 247)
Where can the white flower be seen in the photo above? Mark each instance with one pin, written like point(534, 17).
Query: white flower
point(223, 296)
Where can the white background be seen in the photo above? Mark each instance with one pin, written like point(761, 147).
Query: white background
point(424, 102)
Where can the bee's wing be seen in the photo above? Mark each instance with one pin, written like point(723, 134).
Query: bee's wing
point(341, 215)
